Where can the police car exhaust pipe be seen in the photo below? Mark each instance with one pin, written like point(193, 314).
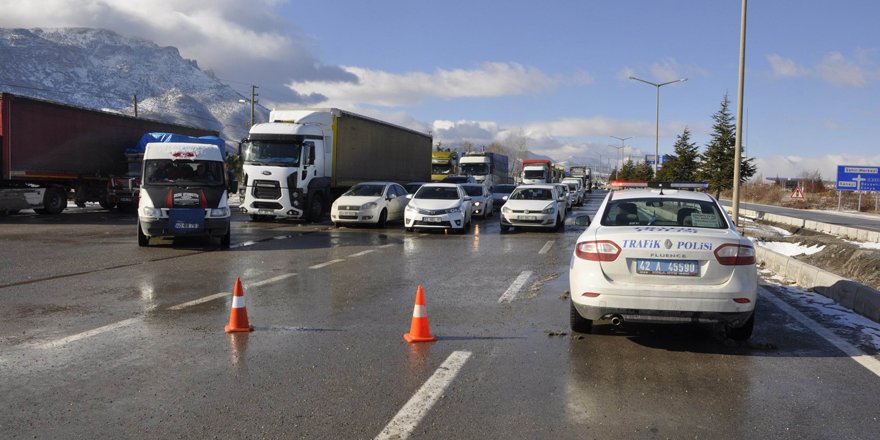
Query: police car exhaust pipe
point(616, 320)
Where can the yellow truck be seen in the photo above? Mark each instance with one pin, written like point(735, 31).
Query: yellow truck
point(443, 164)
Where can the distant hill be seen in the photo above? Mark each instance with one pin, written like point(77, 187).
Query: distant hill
point(100, 69)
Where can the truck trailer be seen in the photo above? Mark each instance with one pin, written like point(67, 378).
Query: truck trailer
point(300, 161)
point(48, 149)
point(490, 169)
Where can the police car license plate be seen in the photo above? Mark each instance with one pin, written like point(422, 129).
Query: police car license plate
point(684, 268)
point(432, 219)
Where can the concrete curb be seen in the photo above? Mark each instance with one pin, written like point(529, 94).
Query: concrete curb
point(862, 299)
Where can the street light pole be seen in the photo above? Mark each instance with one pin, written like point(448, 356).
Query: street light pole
point(657, 123)
point(622, 146)
point(739, 114)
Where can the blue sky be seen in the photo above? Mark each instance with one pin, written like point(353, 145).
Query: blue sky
point(550, 75)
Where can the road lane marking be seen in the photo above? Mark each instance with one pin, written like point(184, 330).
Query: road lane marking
point(406, 420)
point(514, 288)
point(226, 294)
point(388, 245)
point(867, 361)
point(362, 253)
point(90, 333)
point(325, 264)
point(546, 247)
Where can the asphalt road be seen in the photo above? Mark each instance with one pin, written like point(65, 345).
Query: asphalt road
point(103, 339)
point(830, 217)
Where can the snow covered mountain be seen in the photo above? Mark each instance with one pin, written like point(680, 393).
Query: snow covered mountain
point(100, 69)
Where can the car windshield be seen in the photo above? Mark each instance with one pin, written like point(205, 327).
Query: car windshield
point(532, 194)
point(504, 189)
point(437, 193)
point(411, 188)
point(663, 212)
point(193, 172)
point(455, 179)
point(573, 186)
point(473, 190)
point(366, 190)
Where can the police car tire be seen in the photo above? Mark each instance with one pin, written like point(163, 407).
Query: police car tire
point(742, 333)
point(578, 323)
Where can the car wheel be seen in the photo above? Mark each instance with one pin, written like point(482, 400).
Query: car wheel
point(578, 323)
point(143, 240)
point(560, 225)
point(383, 218)
point(744, 332)
point(505, 228)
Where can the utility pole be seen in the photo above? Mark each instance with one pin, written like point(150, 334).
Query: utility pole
point(134, 102)
point(253, 102)
point(739, 113)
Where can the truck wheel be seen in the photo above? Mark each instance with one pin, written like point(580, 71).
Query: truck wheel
point(106, 204)
point(578, 323)
point(54, 201)
point(383, 219)
point(143, 240)
point(226, 240)
point(316, 208)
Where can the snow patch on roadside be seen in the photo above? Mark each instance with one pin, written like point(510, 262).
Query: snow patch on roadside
point(789, 249)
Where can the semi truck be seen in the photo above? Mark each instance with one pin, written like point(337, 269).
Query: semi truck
point(537, 171)
point(490, 169)
point(443, 163)
point(48, 149)
point(300, 161)
point(584, 174)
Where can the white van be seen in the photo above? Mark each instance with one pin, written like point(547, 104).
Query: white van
point(183, 192)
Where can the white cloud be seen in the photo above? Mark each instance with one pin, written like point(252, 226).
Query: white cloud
point(786, 67)
point(834, 68)
point(842, 71)
point(795, 166)
point(377, 87)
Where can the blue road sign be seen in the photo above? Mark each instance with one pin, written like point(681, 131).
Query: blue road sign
point(858, 178)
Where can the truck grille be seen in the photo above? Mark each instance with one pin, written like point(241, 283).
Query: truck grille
point(267, 189)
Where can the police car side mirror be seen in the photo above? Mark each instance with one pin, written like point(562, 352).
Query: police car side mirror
point(582, 220)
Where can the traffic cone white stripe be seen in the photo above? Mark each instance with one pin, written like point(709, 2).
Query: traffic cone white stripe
point(237, 302)
point(420, 311)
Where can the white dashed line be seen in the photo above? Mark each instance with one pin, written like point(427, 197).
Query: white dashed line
point(514, 288)
point(406, 420)
point(226, 294)
point(325, 264)
point(867, 361)
point(361, 253)
point(546, 247)
point(387, 245)
point(90, 333)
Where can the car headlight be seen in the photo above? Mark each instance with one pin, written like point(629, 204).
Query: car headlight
point(411, 208)
point(477, 203)
point(370, 205)
point(150, 212)
point(506, 210)
point(218, 212)
point(550, 209)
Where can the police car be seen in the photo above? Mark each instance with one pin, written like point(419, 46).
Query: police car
point(655, 255)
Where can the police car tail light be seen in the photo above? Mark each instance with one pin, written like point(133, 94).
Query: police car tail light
point(735, 255)
point(602, 250)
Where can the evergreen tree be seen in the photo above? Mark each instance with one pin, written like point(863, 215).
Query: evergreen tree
point(627, 171)
point(683, 165)
point(643, 171)
point(717, 162)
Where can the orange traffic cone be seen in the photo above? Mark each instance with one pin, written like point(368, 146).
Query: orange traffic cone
point(238, 320)
point(419, 331)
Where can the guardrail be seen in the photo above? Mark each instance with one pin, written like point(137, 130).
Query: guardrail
point(851, 233)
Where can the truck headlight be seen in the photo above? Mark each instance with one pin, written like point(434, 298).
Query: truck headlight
point(477, 203)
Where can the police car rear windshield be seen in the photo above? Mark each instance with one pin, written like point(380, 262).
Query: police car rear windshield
point(664, 212)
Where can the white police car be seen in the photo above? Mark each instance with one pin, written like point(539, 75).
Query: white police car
point(663, 256)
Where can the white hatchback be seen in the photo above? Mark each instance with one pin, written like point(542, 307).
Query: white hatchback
point(438, 206)
point(534, 205)
point(371, 203)
point(663, 256)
